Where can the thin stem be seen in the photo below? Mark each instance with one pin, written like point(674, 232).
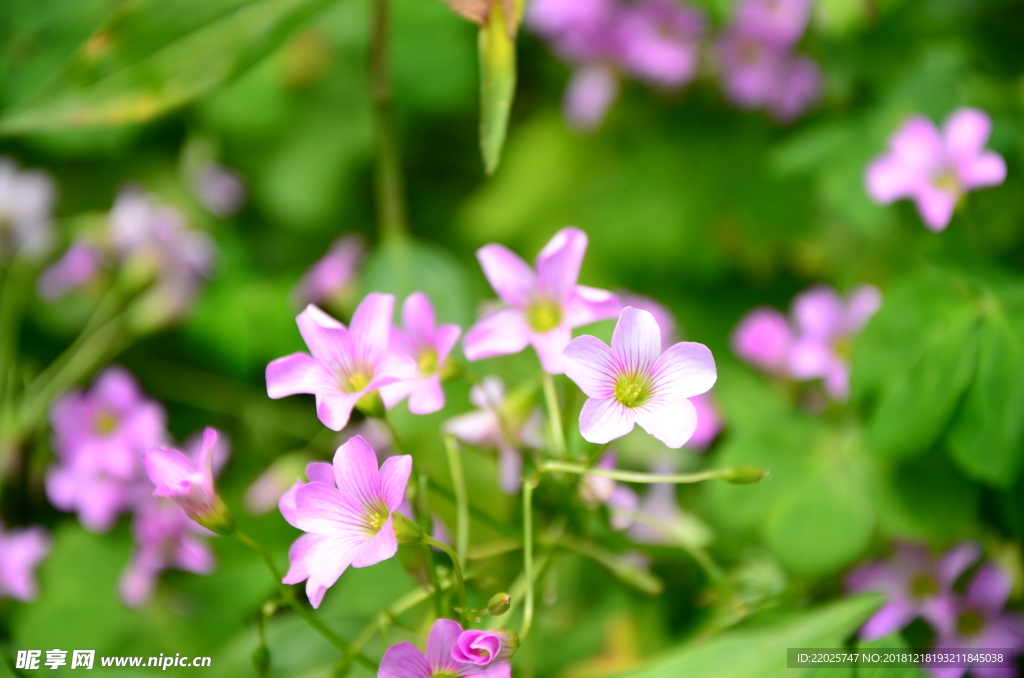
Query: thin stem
point(461, 498)
point(730, 473)
point(390, 201)
point(457, 567)
point(528, 486)
point(554, 416)
point(300, 609)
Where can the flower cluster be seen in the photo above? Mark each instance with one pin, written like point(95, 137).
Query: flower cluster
point(814, 342)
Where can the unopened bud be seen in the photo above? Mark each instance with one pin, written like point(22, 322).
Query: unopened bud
point(261, 661)
point(498, 604)
point(743, 475)
point(407, 531)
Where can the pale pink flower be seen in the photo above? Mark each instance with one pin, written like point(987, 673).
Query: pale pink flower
point(26, 206)
point(219, 188)
point(764, 338)
point(346, 364)
point(428, 346)
point(633, 382)
point(346, 515)
point(545, 305)
point(404, 660)
point(188, 482)
point(658, 41)
point(780, 22)
point(332, 274)
point(936, 169)
point(78, 265)
point(21, 551)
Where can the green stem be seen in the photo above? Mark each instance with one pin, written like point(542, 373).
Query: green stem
point(528, 486)
point(390, 201)
point(731, 473)
point(300, 609)
point(461, 498)
point(457, 567)
point(12, 298)
point(554, 416)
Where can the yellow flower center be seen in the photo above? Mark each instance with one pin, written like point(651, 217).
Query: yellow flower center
point(106, 423)
point(923, 586)
point(969, 623)
point(427, 362)
point(543, 315)
point(378, 516)
point(948, 183)
point(632, 391)
point(357, 381)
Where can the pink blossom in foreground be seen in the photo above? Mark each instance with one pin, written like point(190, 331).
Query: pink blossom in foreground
point(914, 583)
point(347, 517)
point(404, 660)
point(346, 364)
point(99, 438)
point(165, 537)
point(332, 274)
point(936, 168)
point(545, 304)
point(499, 424)
point(633, 382)
point(26, 206)
point(428, 346)
point(620, 499)
point(187, 481)
point(21, 551)
point(483, 648)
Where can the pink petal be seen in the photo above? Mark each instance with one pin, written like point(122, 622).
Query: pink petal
point(327, 339)
point(549, 347)
point(837, 380)
point(418, 315)
point(956, 561)
point(671, 422)
point(558, 264)
point(325, 561)
point(488, 394)
point(355, 472)
point(820, 312)
point(500, 333)
point(394, 478)
point(297, 554)
point(297, 373)
point(445, 338)
point(427, 396)
point(981, 171)
point(810, 359)
point(335, 409)
point(326, 511)
point(891, 618)
point(935, 207)
point(602, 421)
point(194, 555)
point(510, 469)
point(889, 178)
point(918, 145)
point(683, 371)
point(590, 93)
point(443, 636)
point(636, 342)
point(392, 367)
point(381, 547)
point(403, 660)
point(511, 277)
point(864, 303)
point(170, 470)
point(966, 131)
point(286, 504)
point(588, 305)
point(588, 361)
point(763, 337)
point(476, 428)
point(989, 590)
point(371, 326)
point(392, 394)
point(320, 472)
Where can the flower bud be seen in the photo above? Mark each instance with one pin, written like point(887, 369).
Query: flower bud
point(498, 604)
point(743, 475)
point(407, 531)
point(261, 661)
point(482, 648)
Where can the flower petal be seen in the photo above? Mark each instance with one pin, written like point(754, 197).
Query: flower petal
point(820, 312)
point(443, 636)
point(864, 302)
point(989, 590)
point(636, 342)
point(588, 305)
point(476, 428)
point(512, 278)
point(418, 315)
point(170, 470)
point(445, 338)
point(371, 325)
point(381, 547)
point(810, 358)
point(320, 472)
point(588, 361)
point(394, 478)
point(549, 347)
point(335, 409)
point(686, 369)
point(935, 207)
point(403, 660)
point(966, 131)
point(510, 468)
point(326, 338)
point(297, 554)
point(955, 562)
point(356, 473)
point(558, 264)
point(501, 333)
point(986, 169)
point(917, 143)
point(325, 561)
point(604, 420)
point(297, 373)
point(323, 510)
point(889, 178)
point(895, 615)
point(286, 504)
point(671, 422)
point(427, 396)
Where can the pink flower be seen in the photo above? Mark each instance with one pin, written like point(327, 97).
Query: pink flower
point(346, 363)
point(482, 648)
point(426, 345)
point(546, 304)
point(763, 337)
point(780, 22)
point(633, 382)
point(333, 273)
point(21, 551)
point(164, 537)
point(662, 315)
point(74, 269)
point(799, 87)
point(936, 169)
point(346, 524)
point(658, 41)
point(187, 482)
point(591, 91)
point(620, 499)
point(709, 422)
point(26, 204)
point(403, 660)
point(499, 424)
point(659, 520)
point(581, 31)
point(100, 437)
point(266, 490)
point(220, 189)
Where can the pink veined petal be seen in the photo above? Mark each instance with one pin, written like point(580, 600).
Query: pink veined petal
point(356, 473)
point(558, 264)
point(549, 347)
point(510, 469)
point(891, 618)
point(476, 428)
point(917, 144)
point(394, 478)
point(445, 338)
point(604, 420)
point(955, 562)
point(512, 278)
point(327, 339)
point(876, 577)
point(297, 554)
point(286, 504)
point(588, 305)
point(320, 472)
point(381, 547)
point(966, 131)
point(418, 315)
point(588, 361)
point(325, 561)
point(888, 178)
point(636, 342)
point(686, 369)
point(403, 660)
point(820, 312)
point(935, 207)
point(392, 367)
point(297, 373)
point(326, 511)
point(204, 464)
point(335, 409)
point(443, 636)
point(500, 669)
point(981, 171)
point(427, 396)
point(989, 590)
point(501, 333)
point(671, 422)
point(371, 325)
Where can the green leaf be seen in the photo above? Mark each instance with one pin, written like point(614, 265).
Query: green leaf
point(497, 49)
point(149, 57)
point(986, 438)
point(915, 410)
point(928, 499)
point(761, 652)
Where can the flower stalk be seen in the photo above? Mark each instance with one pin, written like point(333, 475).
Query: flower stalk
point(390, 201)
point(554, 416)
point(461, 497)
point(739, 475)
point(528, 485)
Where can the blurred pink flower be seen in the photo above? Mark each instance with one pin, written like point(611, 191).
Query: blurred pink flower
point(264, 493)
point(21, 551)
point(658, 518)
point(347, 524)
point(658, 41)
point(333, 273)
point(758, 73)
point(763, 337)
point(188, 482)
point(580, 31)
point(591, 91)
point(545, 305)
point(779, 22)
point(709, 422)
point(620, 499)
point(633, 382)
point(428, 346)
point(346, 363)
point(26, 206)
point(936, 169)
point(404, 660)
point(219, 188)
point(99, 439)
point(799, 87)
point(74, 269)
